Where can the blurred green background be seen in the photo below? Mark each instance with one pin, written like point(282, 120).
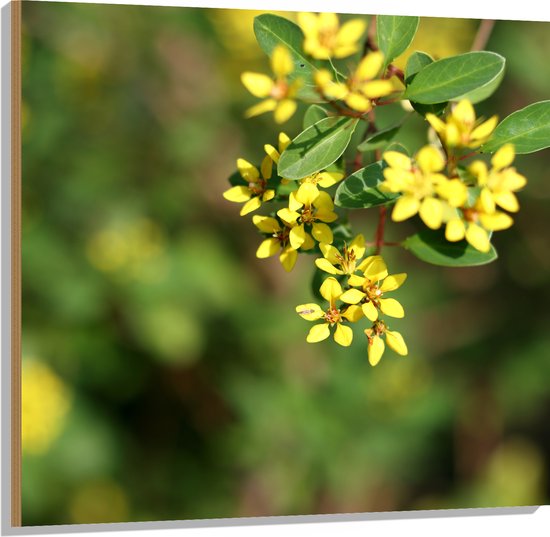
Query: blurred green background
point(165, 371)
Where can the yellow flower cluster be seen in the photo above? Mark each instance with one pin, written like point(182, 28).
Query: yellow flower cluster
point(468, 204)
point(302, 222)
point(367, 283)
point(324, 39)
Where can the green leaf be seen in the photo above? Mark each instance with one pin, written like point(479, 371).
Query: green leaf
point(317, 147)
point(473, 75)
point(270, 31)
point(394, 35)
point(359, 190)
point(313, 114)
point(528, 129)
point(380, 139)
point(432, 247)
point(416, 62)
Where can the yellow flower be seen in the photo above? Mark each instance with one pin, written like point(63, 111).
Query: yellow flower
point(376, 344)
point(278, 242)
point(499, 184)
point(344, 262)
point(45, 403)
point(419, 181)
point(373, 284)
point(361, 88)
point(474, 225)
point(324, 38)
point(334, 316)
point(461, 128)
point(280, 92)
point(324, 179)
point(284, 142)
point(256, 192)
point(308, 206)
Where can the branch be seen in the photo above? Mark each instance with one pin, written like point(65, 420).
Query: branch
point(483, 34)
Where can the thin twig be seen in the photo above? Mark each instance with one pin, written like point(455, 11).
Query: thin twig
point(483, 34)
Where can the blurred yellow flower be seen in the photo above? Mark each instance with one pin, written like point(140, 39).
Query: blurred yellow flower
point(46, 400)
point(334, 317)
point(256, 192)
point(461, 128)
point(325, 38)
point(126, 248)
point(359, 90)
point(99, 501)
point(279, 93)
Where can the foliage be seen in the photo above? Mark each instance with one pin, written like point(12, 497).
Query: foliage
point(442, 182)
point(185, 389)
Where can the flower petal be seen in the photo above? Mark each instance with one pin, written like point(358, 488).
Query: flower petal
point(370, 66)
point(297, 236)
point(377, 88)
point(396, 342)
point(478, 238)
point(248, 171)
point(353, 313)
point(284, 110)
point(352, 296)
point(310, 311)
point(398, 160)
point(321, 233)
point(281, 62)
point(370, 311)
point(238, 194)
point(265, 106)
point(391, 307)
point(376, 350)
point(496, 221)
point(327, 266)
point(267, 167)
point(405, 207)
point(356, 280)
point(288, 216)
point(251, 205)
point(374, 268)
point(431, 212)
point(343, 335)
point(258, 84)
point(503, 157)
point(267, 248)
point(330, 289)
point(351, 31)
point(430, 160)
point(455, 230)
point(266, 224)
point(288, 258)
point(393, 282)
point(319, 332)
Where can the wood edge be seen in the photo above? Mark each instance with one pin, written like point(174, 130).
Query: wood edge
point(16, 518)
